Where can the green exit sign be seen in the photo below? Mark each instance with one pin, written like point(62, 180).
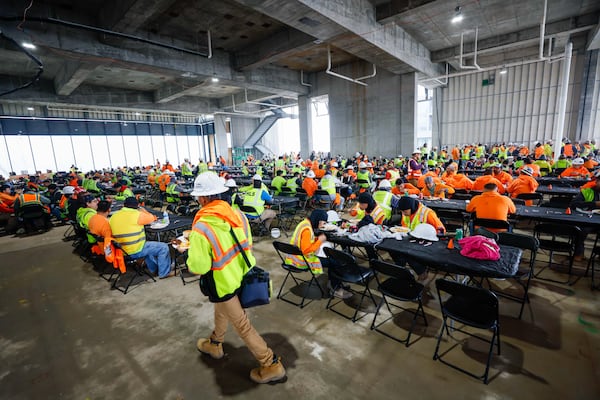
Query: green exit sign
point(485, 82)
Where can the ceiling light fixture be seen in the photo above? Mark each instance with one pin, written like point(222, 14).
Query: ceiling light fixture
point(28, 45)
point(137, 114)
point(503, 71)
point(457, 15)
point(30, 108)
point(214, 79)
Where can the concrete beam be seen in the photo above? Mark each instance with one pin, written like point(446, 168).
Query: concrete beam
point(130, 15)
point(274, 48)
point(86, 96)
point(253, 95)
point(376, 43)
point(147, 58)
point(175, 90)
point(594, 39)
point(522, 38)
point(70, 76)
point(393, 7)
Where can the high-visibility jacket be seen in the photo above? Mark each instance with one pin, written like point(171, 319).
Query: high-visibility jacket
point(163, 180)
point(186, 170)
point(277, 183)
point(26, 199)
point(124, 194)
point(253, 197)
point(328, 184)
point(384, 200)
point(313, 261)
point(126, 230)
point(394, 175)
point(419, 217)
point(202, 167)
point(84, 214)
point(364, 175)
point(562, 163)
point(378, 215)
point(568, 150)
point(279, 164)
point(211, 235)
point(291, 184)
point(172, 193)
point(414, 173)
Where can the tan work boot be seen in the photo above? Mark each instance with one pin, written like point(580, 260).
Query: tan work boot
point(212, 348)
point(273, 372)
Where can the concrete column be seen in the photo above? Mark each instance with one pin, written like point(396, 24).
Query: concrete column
point(220, 136)
point(588, 118)
point(305, 122)
point(408, 112)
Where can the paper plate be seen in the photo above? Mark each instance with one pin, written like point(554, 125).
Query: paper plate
point(158, 225)
point(401, 229)
point(329, 227)
point(181, 243)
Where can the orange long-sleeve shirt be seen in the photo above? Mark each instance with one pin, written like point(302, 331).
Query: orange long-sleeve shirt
point(491, 205)
point(459, 181)
point(481, 181)
point(310, 185)
point(406, 187)
point(8, 199)
point(522, 184)
point(573, 172)
point(438, 191)
point(503, 177)
point(307, 245)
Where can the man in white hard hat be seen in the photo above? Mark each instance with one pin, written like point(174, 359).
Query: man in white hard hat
point(215, 255)
point(576, 170)
point(256, 197)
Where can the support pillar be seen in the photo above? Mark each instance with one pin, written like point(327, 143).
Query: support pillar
point(305, 122)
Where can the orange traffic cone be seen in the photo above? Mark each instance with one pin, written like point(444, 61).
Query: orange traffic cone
point(568, 211)
point(451, 243)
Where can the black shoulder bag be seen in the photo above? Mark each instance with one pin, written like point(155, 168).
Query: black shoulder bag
point(256, 284)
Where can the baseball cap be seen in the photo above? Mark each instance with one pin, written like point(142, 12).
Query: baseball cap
point(131, 202)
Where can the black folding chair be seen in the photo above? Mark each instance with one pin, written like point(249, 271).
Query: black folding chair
point(557, 238)
point(285, 251)
point(321, 203)
point(258, 225)
point(487, 233)
point(537, 198)
point(471, 306)
point(345, 269)
point(400, 285)
point(135, 265)
point(524, 275)
point(452, 219)
point(491, 223)
point(462, 196)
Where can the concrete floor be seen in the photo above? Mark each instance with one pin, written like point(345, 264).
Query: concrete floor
point(65, 335)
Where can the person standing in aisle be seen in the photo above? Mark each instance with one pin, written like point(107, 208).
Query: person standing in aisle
point(215, 254)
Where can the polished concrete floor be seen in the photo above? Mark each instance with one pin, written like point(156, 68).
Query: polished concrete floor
point(65, 335)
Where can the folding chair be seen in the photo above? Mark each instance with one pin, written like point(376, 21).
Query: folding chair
point(452, 219)
point(258, 226)
point(34, 218)
point(462, 196)
point(285, 251)
point(471, 306)
point(487, 233)
point(325, 204)
point(524, 275)
point(286, 191)
point(592, 263)
point(557, 239)
point(345, 269)
point(537, 198)
point(491, 223)
point(400, 285)
point(137, 265)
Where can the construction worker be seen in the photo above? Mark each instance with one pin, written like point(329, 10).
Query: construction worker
point(435, 188)
point(524, 183)
point(414, 168)
point(127, 226)
point(363, 179)
point(123, 191)
point(491, 205)
point(328, 184)
point(577, 170)
point(218, 238)
point(89, 205)
point(257, 196)
point(278, 182)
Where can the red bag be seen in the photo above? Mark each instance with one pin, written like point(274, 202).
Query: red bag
point(480, 248)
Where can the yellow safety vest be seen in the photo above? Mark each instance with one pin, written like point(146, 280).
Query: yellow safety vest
point(313, 261)
point(384, 200)
point(328, 184)
point(253, 198)
point(419, 218)
point(126, 230)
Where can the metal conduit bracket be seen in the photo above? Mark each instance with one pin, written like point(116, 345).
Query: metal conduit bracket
point(353, 80)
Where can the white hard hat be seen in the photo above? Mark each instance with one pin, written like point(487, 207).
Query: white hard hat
point(362, 164)
point(578, 161)
point(424, 232)
point(334, 164)
point(527, 171)
point(275, 233)
point(230, 183)
point(257, 177)
point(332, 216)
point(369, 165)
point(310, 174)
point(68, 190)
point(208, 184)
point(357, 154)
point(417, 152)
point(385, 184)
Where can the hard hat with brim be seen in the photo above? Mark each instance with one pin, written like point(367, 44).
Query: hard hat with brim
point(578, 161)
point(257, 177)
point(424, 232)
point(208, 184)
point(310, 174)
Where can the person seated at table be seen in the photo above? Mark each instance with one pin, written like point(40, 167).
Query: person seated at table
point(304, 238)
point(278, 182)
point(127, 226)
point(543, 164)
point(592, 183)
point(98, 224)
point(384, 197)
point(434, 174)
point(294, 182)
point(524, 183)
point(230, 195)
point(174, 192)
point(123, 191)
point(502, 176)
point(348, 180)
point(435, 188)
point(309, 184)
point(486, 178)
point(590, 163)
point(587, 199)
point(328, 184)
point(257, 196)
point(528, 162)
point(367, 211)
point(576, 170)
point(6, 194)
point(7, 218)
point(491, 205)
point(89, 204)
point(402, 188)
point(415, 213)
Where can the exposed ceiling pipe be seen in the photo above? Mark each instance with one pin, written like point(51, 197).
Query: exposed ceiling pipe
point(543, 30)
point(515, 64)
point(460, 58)
point(209, 44)
point(369, 76)
point(447, 71)
point(271, 105)
point(251, 112)
point(302, 79)
point(330, 72)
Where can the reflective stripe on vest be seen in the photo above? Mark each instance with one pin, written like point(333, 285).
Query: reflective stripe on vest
point(30, 198)
point(291, 183)
point(223, 257)
point(420, 218)
point(328, 185)
point(253, 198)
point(126, 230)
point(378, 215)
point(313, 261)
point(384, 200)
point(363, 175)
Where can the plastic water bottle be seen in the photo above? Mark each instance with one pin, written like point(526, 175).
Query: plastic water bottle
point(165, 219)
point(459, 234)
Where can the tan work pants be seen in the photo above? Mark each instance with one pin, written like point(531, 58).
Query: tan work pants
point(232, 311)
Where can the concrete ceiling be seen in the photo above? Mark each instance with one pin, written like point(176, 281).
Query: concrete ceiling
point(258, 47)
